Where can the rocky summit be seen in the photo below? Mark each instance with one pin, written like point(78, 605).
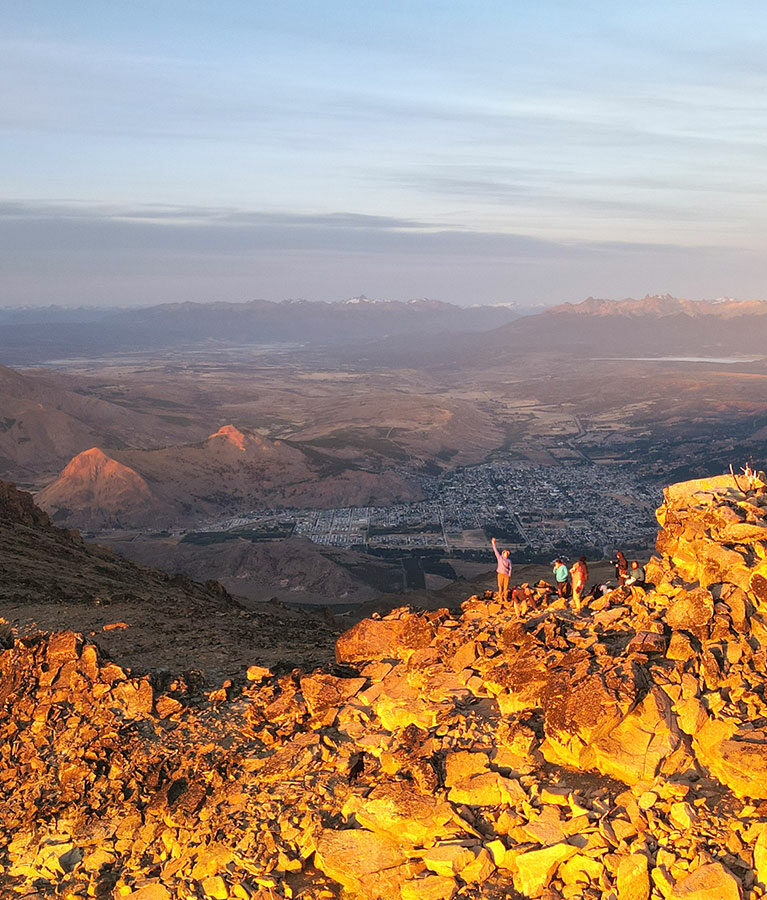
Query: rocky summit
point(618, 753)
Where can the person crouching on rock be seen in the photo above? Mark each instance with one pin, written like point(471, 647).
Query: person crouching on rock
point(503, 571)
point(560, 576)
point(522, 598)
point(579, 572)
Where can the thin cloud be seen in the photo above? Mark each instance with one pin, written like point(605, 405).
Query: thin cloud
point(54, 211)
point(39, 229)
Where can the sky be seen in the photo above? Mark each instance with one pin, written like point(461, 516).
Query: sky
point(475, 152)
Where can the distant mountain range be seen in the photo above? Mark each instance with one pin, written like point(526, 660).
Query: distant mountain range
point(654, 326)
point(29, 336)
point(662, 305)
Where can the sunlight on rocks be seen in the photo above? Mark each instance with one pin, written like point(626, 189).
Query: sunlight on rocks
point(617, 753)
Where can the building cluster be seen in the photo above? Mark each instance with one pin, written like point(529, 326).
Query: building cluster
point(535, 510)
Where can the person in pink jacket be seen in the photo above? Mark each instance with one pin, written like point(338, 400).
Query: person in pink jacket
point(503, 570)
point(579, 572)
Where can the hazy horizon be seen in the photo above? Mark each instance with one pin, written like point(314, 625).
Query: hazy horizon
point(521, 306)
point(533, 153)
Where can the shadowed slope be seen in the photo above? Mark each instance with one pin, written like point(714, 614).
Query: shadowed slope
point(52, 579)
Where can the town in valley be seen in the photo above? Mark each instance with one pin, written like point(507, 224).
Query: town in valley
point(535, 510)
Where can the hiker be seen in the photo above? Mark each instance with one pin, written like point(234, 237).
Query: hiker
point(560, 576)
point(503, 570)
point(621, 568)
point(599, 590)
point(579, 572)
point(522, 598)
point(636, 574)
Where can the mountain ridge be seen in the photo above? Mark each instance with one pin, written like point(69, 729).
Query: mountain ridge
point(47, 418)
point(256, 322)
point(660, 306)
point(52, 578)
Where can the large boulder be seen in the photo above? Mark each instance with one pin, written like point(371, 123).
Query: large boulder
point(709, 882)
point(348, 855)
point(398, 810)
point(633, 878)
point(736, 756)
point(691, 609)
point(645, 743)
point(394, 637)
point(536, 868)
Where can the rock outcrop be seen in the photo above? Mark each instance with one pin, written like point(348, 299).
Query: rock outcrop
point(619, 753)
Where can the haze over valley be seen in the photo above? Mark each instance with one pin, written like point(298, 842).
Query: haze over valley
point(411, 444)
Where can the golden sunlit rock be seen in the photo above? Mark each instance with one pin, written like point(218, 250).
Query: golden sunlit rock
point(613, 754)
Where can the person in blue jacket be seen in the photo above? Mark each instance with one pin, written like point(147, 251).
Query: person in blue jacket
point(561, 575)
point(503, 570)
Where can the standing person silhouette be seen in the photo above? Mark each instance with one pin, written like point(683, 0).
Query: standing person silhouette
point(579, 573)
point(503, 570)
point(561, 575)
point(621, 568)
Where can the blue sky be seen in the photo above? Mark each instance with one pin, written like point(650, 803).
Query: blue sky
point(475, 152)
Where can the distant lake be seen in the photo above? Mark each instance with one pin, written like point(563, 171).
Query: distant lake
point(726, 360)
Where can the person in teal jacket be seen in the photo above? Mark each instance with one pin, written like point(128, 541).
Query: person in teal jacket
point(561, 575)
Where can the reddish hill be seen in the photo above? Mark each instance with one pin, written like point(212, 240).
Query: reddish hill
point(243, 446)
point(230, 472)
point(97, 491)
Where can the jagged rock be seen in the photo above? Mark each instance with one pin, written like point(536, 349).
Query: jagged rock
point(633, 878)
point(464, 764)
point(591, 726)
point(479, 869)
point(648, 642)
point(709, 882)
point(760, 858)
point(155, 891)
point(394, 637)
point(450, 858)
point(436, 772)
point(398, 810)
point(430, 887)
point(680, 647)
point(580, 871)
point(736, 756)
point(641, 745)
point(347, 855)
point(389, 882)
point(323, 691)
point(487, 789)
point(535, 869)
point(692, 610)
